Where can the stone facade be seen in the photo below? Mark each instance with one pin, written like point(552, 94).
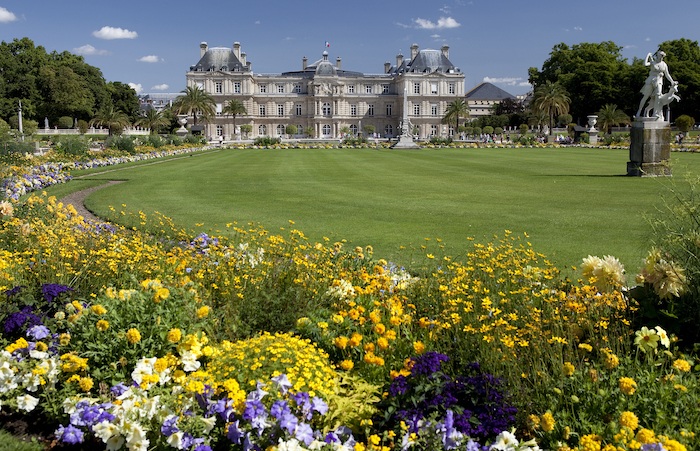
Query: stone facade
point(322, 99)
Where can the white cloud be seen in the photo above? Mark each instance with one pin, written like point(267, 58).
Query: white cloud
point(114, 33)
point(150, 59)
point(443, 22)
point(435, 36)
point(578, 28)
point(136, 87)
point(161, 87)
point(7, 16)
point(257, 22)
point(509, 81)
point(87, 49)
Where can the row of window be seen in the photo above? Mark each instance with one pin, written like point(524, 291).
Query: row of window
point(326, 110)
point(297, 89)
point(326, 130)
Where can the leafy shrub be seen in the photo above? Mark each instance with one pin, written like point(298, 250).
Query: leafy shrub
point(65, 122)
point(175, 140)
point(154, 141)
point(438, 140)
point(354, 140)
point(76, 146)
point(83, 126)
point(266, 141)
point(194, 139)
point(121, 142)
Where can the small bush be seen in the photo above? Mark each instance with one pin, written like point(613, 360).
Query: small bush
point(193, 139)
point(266, 141)
point(123, 143)
point(175, 140)
point(440, 141)
point(354, 140)
point(65, 122)
point(72, 145)
point(154, 141)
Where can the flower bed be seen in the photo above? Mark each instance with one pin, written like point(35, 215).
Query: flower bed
point(119, 339)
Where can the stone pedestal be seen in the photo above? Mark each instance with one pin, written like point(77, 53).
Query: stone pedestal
point(650, 148)
point(405, 142)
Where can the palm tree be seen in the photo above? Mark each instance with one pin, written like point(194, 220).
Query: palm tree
point(114, 120)
point(456, 109)
point(195, 101)
point(551, 98)
point(609, 116)
point(234, 108)
point(152, 119)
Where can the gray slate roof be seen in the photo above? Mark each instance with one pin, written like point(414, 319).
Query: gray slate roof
point(488, 91)
point(427, 60)
point(219, 58)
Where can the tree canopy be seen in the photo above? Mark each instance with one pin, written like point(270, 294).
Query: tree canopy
point(53, 85)
point(596, 74)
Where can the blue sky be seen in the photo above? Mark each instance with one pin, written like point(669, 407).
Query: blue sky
point(151, 44)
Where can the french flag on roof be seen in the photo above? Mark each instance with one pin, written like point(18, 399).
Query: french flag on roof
point(328, 44)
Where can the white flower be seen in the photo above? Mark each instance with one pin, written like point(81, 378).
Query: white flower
point(189, 361)
point(27, 402)
point(143, 367)
point(505, 441)
point(109, 434)
point(209, 424)
point(663, 337)
point(290, 445)
point(175, 439)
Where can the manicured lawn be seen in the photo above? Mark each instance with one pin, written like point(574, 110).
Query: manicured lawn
point(571, 202)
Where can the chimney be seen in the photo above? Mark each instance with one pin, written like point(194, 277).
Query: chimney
point(337, 63)
point(247, 65)
point(243, 58)
point(202, 49)
point(304, 62)
point(446, 51)
point(414, 51)
point(387, 67)
point(399, 60)
point(237, 50)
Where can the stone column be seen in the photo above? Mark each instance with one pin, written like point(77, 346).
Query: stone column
point(650, 148)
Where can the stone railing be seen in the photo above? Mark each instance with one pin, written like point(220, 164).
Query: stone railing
point(91, 131)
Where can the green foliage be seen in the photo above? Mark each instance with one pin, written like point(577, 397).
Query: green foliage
point(523, 129)
point(685, 123)
point(354, 140)
point(564, 120)
point(498, 130)
point(670, 293)
point(155, 141)
point(369, 129)
point(488, 130)
point(456, 109)
point(193, 139)
point(266, 141)
point(352, 403)
point(77, 146)
point(246, 129)
point(195, 101)
point(82, 126)
point(175, 140)
point(610, 116)
point(123, 143)
point(438, 140)
point(65, 122)
point(291, 129)
point(683, 59)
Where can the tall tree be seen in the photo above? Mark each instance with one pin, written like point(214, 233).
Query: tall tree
point(683, 59)
point(609, 116)
point(195, 101)
point(111, 118)
point(124, 99)
point(153, 119)
point(551, 99)
point(233, 108)
point(456, 109)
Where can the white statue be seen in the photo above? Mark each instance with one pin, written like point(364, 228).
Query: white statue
point(652, 90)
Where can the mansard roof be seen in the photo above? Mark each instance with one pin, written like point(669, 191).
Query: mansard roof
point(488, 91)
point(323, 67)
point(219, 58)
point(429, 60)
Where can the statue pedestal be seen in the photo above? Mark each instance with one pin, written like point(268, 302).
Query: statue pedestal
point(650, 148)
point(405, 142)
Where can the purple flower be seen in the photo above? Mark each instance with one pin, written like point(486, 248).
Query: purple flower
point(13, 291)
point(51, 291)
point(38, 332)
point(203, 447)
point(15, 321)
point(304, 433)
point(234, 433)
point(282, 383)
point(279, 408)
point(118, 389)
point(428, 363)
point(224, 408)
point(289, 422)
point(653, 447)
point(69, 434)
point(169, 426)
point(319, 405)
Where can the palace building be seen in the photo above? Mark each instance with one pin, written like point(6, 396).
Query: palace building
point(324, 100)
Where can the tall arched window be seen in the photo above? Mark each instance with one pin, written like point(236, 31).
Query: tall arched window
point(326, 130)
point(389, 130)
point(326, 109)
point(353, 129)
point(262, 130)
point(280, 130)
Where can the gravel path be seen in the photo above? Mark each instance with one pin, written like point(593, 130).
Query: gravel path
point(77, 199)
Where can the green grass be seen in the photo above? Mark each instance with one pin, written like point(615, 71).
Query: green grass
point(572, 202)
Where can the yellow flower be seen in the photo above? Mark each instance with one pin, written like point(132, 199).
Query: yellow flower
point(64, 339)
point(627, 385)
point(161, 295)
point(681, 365)
point(611, 361)
point(86, 384)
point(645, 436)
point(133, 335)
point(418, 347)
point(379, 329)
point(547, 422)
point(355, 339)
point(341, 342)
point(646, 339)
point(98, 309)
point(568, 369)
point(590, 442)
point(629, 420)
point(202, 311)
point(102, 325)
point(174, 335)
point(347, 365)
point(585, 347)
point(382, 343)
